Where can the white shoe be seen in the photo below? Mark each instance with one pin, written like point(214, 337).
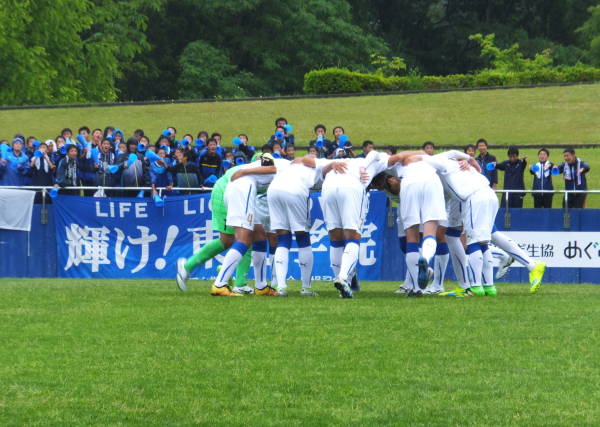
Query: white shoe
point(504, 266)
point(182, 274)
point(243, 290)
point(433, 290)
point(403, 289)
point(282, 292)
point(430, 273)
point(308, 293)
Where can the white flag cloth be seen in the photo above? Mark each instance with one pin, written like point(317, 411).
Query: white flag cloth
point(16, 208)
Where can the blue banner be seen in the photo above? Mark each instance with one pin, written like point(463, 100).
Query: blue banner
point(131, 238)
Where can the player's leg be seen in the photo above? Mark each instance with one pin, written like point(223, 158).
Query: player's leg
point(306, 261)
point(432, 210)
point(259, 261)
point(333, 221)
point(273, 242)
point(488, 270)
point(243, 237)
point(460, 260)
point(440, 262)
point(412, 259)
point(241, 274)
point(505, 261)
point(536, 268)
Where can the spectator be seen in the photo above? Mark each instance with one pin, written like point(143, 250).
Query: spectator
point(86, 163)
point(277, 149)
point(203, 135)
point(209, 163)
point(470, 150)
point(104, 177)
point(67, 134)
point(230, 159)
point(368, 146)
point(274, 140)
point(574, 170)
point(85, 131)
point(340, 153)
point(335, 144)
point(483, 160)
point(514, 169)
point(390, 151)
point(163, 141)
point(185, 174)
point(50, 150)
point(429, 147)
point(97, 138)
point(67, 171)
point(542, 180)
point(137, 174)
point(290, 152)
point(121, 148)
point(239, 155)
point(267, 149)
point(16, 165)
point(108, 132)
point(160, 177)
point(288, 138)
point(320, 132)
point(118, 136)
point(139, 133)
point(313, 151)
point(248, 150)
point(29, 150)
point(57, 156)
point(43, 171)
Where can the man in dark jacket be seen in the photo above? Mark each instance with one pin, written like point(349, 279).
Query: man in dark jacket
point(542, 180)
point(485, 159)
point(210, 163)
point(574, 170)
point(514, 169)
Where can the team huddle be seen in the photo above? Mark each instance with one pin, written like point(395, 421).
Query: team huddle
point(440, 198)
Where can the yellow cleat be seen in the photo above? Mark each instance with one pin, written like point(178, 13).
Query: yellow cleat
point(458, 290)
point(266, 292)
point(224, 291)
point(536, 275)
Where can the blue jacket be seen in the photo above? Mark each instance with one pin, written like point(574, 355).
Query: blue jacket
point(210, 165)
point(62, 178)
point(572, 184)
point(16, 169)
point(492, 175)
point(290, 139)
point(544, 182)
point(513, 174)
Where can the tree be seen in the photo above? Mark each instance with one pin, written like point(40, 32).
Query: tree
point(591, 34)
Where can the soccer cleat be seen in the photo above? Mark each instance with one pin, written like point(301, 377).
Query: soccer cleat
point(478, 291)
point(224, 291)
point(490, 291)
point(243, 290)
point(536, 275)
point(308, 293)
point(452, 293)
point(423, 277)
point(229, 281)
point(182, 274)
point(266, 292)
point(404, 289)
point(354, 285)
point(282, 292)
point(342, 286)
point(504, 266)
point(466, 293)
point(413, 294)
point(433, 290)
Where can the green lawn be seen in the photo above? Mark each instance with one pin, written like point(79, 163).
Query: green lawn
point(140, 353)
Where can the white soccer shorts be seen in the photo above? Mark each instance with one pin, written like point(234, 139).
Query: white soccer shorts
point(289, 211)
point(422, 202)
point(263, 212)
point(343, 207)
point(454, 214)
point(479, 214)
point(240, 201)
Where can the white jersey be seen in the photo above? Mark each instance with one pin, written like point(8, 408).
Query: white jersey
point(458, 185)
point(374, 164)
point(262, 182)
point(299, 176)
point(415, 172)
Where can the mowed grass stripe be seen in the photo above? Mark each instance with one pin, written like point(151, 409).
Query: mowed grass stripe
point(81, 352)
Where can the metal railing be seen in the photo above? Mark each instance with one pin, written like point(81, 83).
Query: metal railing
point(45, 191)
point(566, 216)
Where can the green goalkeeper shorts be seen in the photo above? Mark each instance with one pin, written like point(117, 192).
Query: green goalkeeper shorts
point(219, 211)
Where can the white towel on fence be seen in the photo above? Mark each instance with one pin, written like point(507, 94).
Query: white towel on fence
point(16, 208)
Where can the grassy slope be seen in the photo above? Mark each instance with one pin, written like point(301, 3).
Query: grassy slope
point(542, 116)
point(141, 353)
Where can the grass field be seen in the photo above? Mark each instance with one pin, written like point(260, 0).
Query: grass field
point(140, 353)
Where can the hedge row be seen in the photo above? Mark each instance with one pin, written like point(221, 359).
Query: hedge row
point(340, 80)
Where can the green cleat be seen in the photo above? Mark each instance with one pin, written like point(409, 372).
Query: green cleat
point(490, 291)
point(466, 293)
point(536, 275)
point(478, 291)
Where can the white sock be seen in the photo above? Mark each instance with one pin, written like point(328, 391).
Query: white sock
point(282, 258)
point(335, 256)
point(349, 258)
point(232, 259)
point(440, 265)
point(412, 263)
point(305, 259)
point(259, 261)
point(503, 242)
point(460, 261)
point(475, 263)
point(408, 282)
point(488, 267)
point(429, 247)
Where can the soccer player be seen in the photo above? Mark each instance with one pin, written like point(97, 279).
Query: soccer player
point(343, 199)
point(289, 206)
